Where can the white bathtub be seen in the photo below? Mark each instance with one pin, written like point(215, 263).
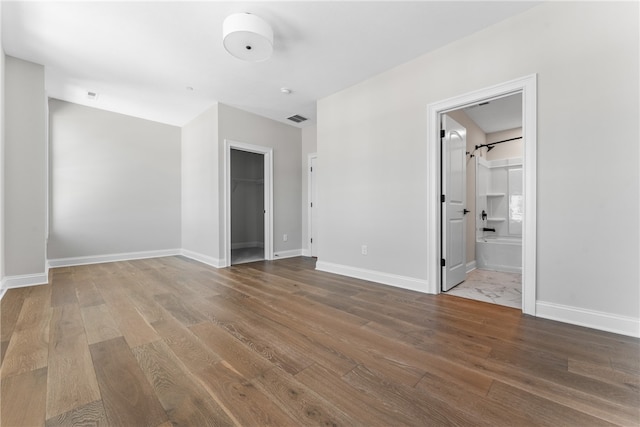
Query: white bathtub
point(499, 253)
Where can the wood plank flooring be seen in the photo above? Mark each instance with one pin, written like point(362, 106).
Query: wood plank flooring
point(170, 341)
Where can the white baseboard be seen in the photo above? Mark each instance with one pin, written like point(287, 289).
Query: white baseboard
point(21, 281)
point(242, 245)
point(403, 282)
point(99, 259)
point(287, 254)
point(589, 318)
point(574, 315)
point(306, 252)
point(471, 265)
point(205, 259)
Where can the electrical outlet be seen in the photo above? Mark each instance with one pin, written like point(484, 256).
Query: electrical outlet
point(364, 249)
point(285, 237)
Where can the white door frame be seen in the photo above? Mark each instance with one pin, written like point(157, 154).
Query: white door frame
point(527, 86)
point(268, 196)
point(310, 157)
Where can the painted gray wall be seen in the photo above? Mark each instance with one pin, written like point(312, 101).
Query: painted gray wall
point(200, 187)
point(115, 183)
point(25, 167)
point(372, 142)
point(248, 128)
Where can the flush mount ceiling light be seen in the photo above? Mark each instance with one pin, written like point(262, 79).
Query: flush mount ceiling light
point(247, 37)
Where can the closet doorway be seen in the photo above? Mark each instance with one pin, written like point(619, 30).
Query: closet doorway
point(248, 212)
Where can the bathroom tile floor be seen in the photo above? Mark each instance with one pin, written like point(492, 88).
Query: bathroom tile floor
point(491, 286)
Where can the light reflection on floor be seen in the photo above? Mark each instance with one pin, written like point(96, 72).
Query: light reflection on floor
point(243, 255)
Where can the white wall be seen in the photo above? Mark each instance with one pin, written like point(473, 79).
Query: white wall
point(248, 128)
point(309, 146)
point(115, 183)
point(24, 169)
point(200, 188)
point(372, 136)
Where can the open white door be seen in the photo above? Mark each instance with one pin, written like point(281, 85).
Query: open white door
point(313, 209)
point(454, 179)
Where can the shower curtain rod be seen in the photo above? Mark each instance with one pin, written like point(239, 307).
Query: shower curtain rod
point(494, 143)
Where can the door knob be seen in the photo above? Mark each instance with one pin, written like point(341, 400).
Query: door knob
point(465, 211)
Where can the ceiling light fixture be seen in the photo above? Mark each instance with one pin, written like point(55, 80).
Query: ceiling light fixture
point(247, 37)
point(285, 90)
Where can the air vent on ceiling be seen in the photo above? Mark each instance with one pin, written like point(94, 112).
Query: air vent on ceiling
point(297, 118)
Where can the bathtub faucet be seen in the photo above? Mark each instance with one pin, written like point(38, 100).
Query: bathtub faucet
point(488, 229)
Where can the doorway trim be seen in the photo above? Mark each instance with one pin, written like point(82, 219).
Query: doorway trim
point(528, 87)
point(268, 196)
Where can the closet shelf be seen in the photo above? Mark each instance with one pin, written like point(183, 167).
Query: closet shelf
point(496, 194)
point(496, 219)
point(252, 181)
point(236, 181)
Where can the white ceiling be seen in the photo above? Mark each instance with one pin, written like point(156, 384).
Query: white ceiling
point(140, 57)
point(499, 114)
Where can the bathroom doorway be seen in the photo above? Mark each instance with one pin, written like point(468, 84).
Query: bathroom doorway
point(527, 86)
point(493, 206)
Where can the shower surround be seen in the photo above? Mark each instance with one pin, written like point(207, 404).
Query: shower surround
point(500, 203)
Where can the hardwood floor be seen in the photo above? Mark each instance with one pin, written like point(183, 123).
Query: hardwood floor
point(170, 341)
